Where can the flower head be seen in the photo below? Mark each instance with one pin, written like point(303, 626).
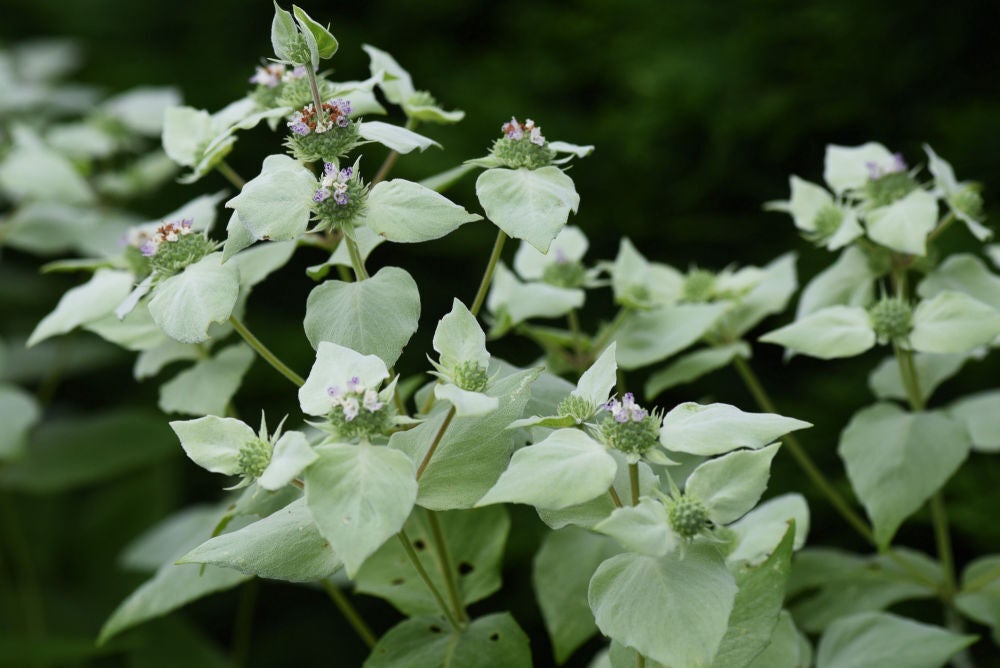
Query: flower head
point(522, 145)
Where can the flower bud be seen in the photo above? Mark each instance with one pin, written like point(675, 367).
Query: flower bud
point(891, 318)
point(470, 376)
point(687, 517)
point(254, 457)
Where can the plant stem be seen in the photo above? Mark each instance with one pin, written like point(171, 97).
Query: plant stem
point(614, 496)
point(415, 560)
point(491, 265)
point(357, 262)
point(314, 90)
point(605, 336)
point(447, 568)
point(942, 226)
point(434, 444)
point(633, 479)
point(243, 627)
point(231, 175)
point(640, 660)
point(262, 350)
point(802, 457)
point(349, 612)
point(574, 328)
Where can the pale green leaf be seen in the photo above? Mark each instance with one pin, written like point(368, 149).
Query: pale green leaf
point(377, 315)
point(877, 639)
point(214, 443)
point(643, 528)
point(285, 545)
point(396, 83)
point(834, 331)
point(466, 402)
point(494, 640)
point(446, 179)
point(527, 204)
point(207, 387)
point(407, 212)
point(770, 295)
point(903, 225)
point(963, 273)
point(359, 496)
point(980, 414)
point(326, 43)
point(649, 336)
point(39, 173)
point(417, 109)
point(848, 282)
point(715, 429)
point(475, 541)
point(290, 456)
point(284, 34)
point(397, 138)
point(757, 607)
point(979, 595)
point(561, 573)
point(150, 362)
point(570, 245)
point(731, 485)
point(186, 131)
point(638, 283)
point(805, 201)
point(137, 331)
point(19, 412)
point(335, 366)
point(141, 109)
point(94, 299)
point(953, 322)
point(276, 205)
point(186, 304)
point(672, 609)
point(932, 370)
point(565, 469)
point(846, 167)
point(758, 532)
point(459, 338)
point(788, 648)
point(514, 302)
point(596, 382)
point(895, 460)
point(473, 452)
point(692, 366)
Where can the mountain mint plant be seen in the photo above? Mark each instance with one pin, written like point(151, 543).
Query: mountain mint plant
point(658, 534)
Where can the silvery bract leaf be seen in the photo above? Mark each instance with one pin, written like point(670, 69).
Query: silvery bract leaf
point(459, 338)
point(397, 138)
point(932, 369)
point(966, 273)
point(895, 461)
point(834, 331)
point(650, 336)
point(359, 496)
point(396, 84)
point(291, 456)
point(185, 305)
point(596, 382)
point(847, 282)
point(136, 331)
point(522, 301)
point(805, 202)
point(496, 636)
point(275, 205)
point(878, 639)
point(673, 609)
point(528, 204)
point(417, 110)
point(731, 485)
point(466, 403)
point(94, 299)
point(944, 174)
point(214, 443)
point(846, 167)
point(979, 594)
point(39, 173)
point(283, 34)
point(150, 362)
point(640, 284)
point(980, 413)
point(903, 225)
point(759, 531)
point(261, 261)
point(573, 149)
point(335, 366)
point(326, 43)
point(570, 245)
point(407, 212)
point(376, 315)
point(644, 528)
point(566, 469)
point(186, 131)
point(715, 429)
point(953, 322)
point(207, 387)
point(238, 237)
point(285, 545)
point(692, 366)
point(773, 288)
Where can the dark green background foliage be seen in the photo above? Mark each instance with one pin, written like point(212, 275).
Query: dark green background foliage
point(699, 112)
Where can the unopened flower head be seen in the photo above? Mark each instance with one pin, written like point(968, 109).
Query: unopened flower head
point(341, 196)
point(522, 145)
point(356, 410)
point(687, 516)
point(891, 318)
point(470, 376)
point(630, 428)
point(699, 286)
point(888, 181)
point(254, 457)
point(324, 136)
point(564, 272)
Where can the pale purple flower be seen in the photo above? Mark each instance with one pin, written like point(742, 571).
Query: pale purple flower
point(148, 248)
point(371, 402)
point(341, 198)
point(536, 136)
point(270, 75)
point(512, 129)
point(626, 409)
point(877, 171)
point(321, 195)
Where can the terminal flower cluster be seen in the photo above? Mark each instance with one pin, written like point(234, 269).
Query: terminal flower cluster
point(334, 184)
point(335, 113)
point(166, 233)
point(513, 129)
point(353, 398)
point(274, 74)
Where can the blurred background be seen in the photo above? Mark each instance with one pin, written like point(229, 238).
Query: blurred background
point(699, 113)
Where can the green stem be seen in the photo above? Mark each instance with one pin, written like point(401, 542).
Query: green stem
point(640, 660)
point(314, 90)
point(446, 566)
point(415, 560)
point(491, 265)
point(243, 628)
point(802, 457)
point(605, 336)
point(942, 538)
point(633, 480)
point(614, 496)
point(231, 175)
point(349, 612)
point(357, 262)
point(942, 226)
point(266, 354)
point(434, 444)
point(574, 328)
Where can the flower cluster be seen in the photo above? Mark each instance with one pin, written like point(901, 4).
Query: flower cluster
point(630, 428)
point(357, 410)
point(274, 74)
point(888, 181)
point(335, 113)
point(167, 250)
point(334, 184)
point(522, 145)
point(625, 410)
point(166, 233)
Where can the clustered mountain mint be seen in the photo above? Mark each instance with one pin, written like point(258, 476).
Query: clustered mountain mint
point(522, 145)
point(357, 411)
point(173, 246)
point(327, 135)
point(340, 197)
point(630, 428)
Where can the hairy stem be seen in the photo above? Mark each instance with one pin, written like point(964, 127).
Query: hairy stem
point(491, 265)
point(415, 560)
point(351, 614)
point(434, 444)
point(266, 354)
point(802, 457)
point(357, 262)
point(446, 566)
